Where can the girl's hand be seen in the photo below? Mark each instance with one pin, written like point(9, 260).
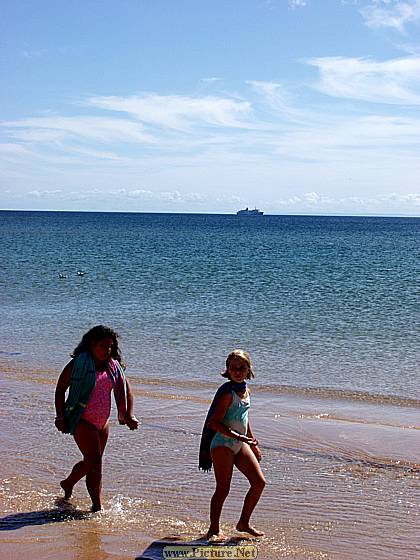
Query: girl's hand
point(246, 439)
point(60, 424)
point(257, 452)
point(132, 422)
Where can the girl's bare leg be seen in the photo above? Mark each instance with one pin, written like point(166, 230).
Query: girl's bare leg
point(87, 437)
point(77, 472)
point(246, 462)
point(223, 467)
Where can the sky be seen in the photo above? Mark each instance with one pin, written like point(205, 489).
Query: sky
point(291, 106)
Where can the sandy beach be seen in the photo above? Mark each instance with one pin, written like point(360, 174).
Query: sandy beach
point(342, 477)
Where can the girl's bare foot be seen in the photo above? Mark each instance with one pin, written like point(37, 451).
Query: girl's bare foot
point(212, 532)
point(68, 490)
point(220, 537)
point(246, 528)
point(214, 535)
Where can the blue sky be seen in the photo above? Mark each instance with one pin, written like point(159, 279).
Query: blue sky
point(299, 106)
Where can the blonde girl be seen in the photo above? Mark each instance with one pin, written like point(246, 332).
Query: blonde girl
point(228, 442)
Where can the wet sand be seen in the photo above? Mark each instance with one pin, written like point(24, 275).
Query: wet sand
point(343, 477)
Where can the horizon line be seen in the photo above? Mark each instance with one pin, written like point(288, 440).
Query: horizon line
point(233, 213)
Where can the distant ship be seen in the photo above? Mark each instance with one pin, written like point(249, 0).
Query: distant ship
point(249, 213)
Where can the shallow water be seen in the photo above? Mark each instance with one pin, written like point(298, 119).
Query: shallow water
point(343, 477)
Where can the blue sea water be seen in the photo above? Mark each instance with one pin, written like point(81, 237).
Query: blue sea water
point(319, 302)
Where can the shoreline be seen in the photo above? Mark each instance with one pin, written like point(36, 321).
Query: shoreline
point(48, 375)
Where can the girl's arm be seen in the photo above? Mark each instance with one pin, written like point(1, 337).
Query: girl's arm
point(250, 434)
point(223, 403)
point(130, 420)
point(63, 384)
point(254, 445)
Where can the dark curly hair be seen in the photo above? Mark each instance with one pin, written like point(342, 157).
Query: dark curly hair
point(95, 334)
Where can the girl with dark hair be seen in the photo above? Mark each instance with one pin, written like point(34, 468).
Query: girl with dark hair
point(94, 372)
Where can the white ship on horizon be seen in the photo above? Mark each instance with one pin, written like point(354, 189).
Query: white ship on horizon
point(249, 213)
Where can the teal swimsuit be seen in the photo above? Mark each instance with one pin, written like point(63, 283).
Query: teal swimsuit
point(236, 418)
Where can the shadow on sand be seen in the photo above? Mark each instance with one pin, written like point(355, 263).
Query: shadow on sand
point(155, 550)
point(63, 511)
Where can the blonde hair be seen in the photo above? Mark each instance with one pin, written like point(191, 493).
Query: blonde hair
point(242, 355)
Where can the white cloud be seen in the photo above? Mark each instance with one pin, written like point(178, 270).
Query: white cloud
point(395, 81)
point(410, 48)
point(12, 149)
point(178, 112)
point(320, 203)
point(49, 129)
point(142, 195)
point(46, 194)
point(96, 154)
point(136, 193)
point(210, 81)
point(307, 201)
point(348, 137)
point(54, 51)
point(274, 94)
point(277, 99)
point(312, 197)
point(297, 3)
point(391, 13)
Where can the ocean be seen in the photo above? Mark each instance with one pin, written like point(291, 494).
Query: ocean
point(328, 308)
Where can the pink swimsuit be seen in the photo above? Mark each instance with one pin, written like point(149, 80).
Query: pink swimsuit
point(98, 407)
